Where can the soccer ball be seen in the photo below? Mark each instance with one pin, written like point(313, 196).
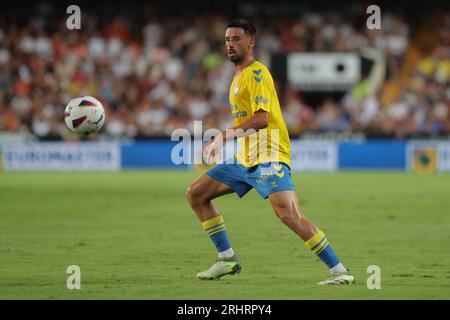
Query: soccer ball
point(84, 115)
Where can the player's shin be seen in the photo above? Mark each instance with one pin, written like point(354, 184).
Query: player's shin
point(320, 246)
point(215, 228)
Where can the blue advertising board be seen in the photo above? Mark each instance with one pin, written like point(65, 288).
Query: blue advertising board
point(159, 154)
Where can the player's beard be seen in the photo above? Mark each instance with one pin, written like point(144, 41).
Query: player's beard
point(236, 58)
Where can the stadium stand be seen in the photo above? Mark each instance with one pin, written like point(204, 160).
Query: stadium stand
point(155, 73)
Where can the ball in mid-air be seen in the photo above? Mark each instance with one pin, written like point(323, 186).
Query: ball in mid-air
point(84, 115)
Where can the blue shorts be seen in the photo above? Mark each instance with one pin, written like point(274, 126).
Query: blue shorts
point(266, 178)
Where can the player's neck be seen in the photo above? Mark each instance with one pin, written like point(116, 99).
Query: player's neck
point(239, 67)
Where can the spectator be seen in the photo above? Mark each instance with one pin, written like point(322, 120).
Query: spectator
point(154, 74)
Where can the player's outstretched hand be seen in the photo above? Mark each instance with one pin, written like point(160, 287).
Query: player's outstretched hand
point(211, 152)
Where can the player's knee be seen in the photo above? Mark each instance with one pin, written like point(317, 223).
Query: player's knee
point(189, 194)
point(280, 206)
point(285, 213)
point(282, 211)
point(287, 219)
point(194, 198)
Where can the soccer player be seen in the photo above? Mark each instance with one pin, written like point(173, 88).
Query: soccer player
point(262, 162)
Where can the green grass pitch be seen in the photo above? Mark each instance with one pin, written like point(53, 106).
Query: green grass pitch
point(134, 236)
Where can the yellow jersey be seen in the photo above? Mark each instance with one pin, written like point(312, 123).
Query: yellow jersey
point(251, 90)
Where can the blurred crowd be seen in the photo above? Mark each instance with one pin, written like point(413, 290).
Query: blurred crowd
point(155, 74)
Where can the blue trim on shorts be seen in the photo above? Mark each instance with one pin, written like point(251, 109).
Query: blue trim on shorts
point(266, 178)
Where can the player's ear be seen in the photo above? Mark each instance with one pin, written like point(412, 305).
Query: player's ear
point(252, 42)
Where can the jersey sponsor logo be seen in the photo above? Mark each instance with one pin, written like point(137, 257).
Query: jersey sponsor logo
point(236, 113)
point(239, 114)
point(261, 99)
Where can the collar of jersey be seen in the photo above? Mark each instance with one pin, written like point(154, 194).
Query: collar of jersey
point(238, 73)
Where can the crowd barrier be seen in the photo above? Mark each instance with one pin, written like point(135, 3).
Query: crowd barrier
point(425, 155)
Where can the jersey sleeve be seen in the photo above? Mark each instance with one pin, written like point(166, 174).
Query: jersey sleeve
point(262, 89)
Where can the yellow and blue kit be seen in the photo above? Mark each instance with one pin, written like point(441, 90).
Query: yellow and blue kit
point(263, 160)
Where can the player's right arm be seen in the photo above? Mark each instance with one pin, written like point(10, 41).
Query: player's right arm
point(258, 121)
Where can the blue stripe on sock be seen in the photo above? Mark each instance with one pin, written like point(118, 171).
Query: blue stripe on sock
point(214, 226)
point(329, 257)
point(321, 241)
point(221, 241)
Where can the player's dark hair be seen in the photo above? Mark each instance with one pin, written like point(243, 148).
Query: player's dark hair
point(248, 27)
